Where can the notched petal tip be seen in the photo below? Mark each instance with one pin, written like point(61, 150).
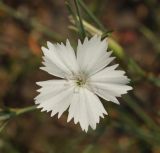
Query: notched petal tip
point(112, 58)
point(59, 115)
point(130, 88)
point(39, 106)
point(85, 40)
point(79, 42)
point(105, 39)
point(69, 119)
point(53, 113)
point(44, 50)
point(115, 66)
point(110, 53)
point(43, 68)
point(39, 84)
point(85, 129)
point(93, 126)
point(116, 101)
point(49, 44)
point(36, 102)
point(68, 42)
point(39, 90)
point(43, 110)
point(105, 112)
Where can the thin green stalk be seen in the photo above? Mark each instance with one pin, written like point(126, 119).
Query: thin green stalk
point(25, 110)
point(3, 126)
point(4, 117)
point(71, 12)
point(12, 112)
point(81, 27)
point(91, 15)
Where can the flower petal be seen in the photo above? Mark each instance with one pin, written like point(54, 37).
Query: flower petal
point(50, 88)
point(110, 75)
point(54, 96)
point(109, 83)
point(86, 109)
point(55, 61)
point(52, 68)
point(109, 91)
point(60, 60)
point(67, 55)
point(92, 55)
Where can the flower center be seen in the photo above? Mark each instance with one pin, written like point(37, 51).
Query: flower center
point(80, 79)
point(80, 82)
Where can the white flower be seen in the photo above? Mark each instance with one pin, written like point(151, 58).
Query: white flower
point(83, 77)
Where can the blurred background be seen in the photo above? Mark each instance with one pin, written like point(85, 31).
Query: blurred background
point(134, 126)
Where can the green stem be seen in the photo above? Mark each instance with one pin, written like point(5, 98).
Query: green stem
point(81, 27)
point(71, 12)
point(25, 110)
point(11, 113)
point(3, 126)
point(91, 15)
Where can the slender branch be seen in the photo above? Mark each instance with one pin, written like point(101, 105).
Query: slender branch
point(82, 30)
point(11, 113)
point(3, 125)
point(25, 110)
point(91, 15)
point(71, 12)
